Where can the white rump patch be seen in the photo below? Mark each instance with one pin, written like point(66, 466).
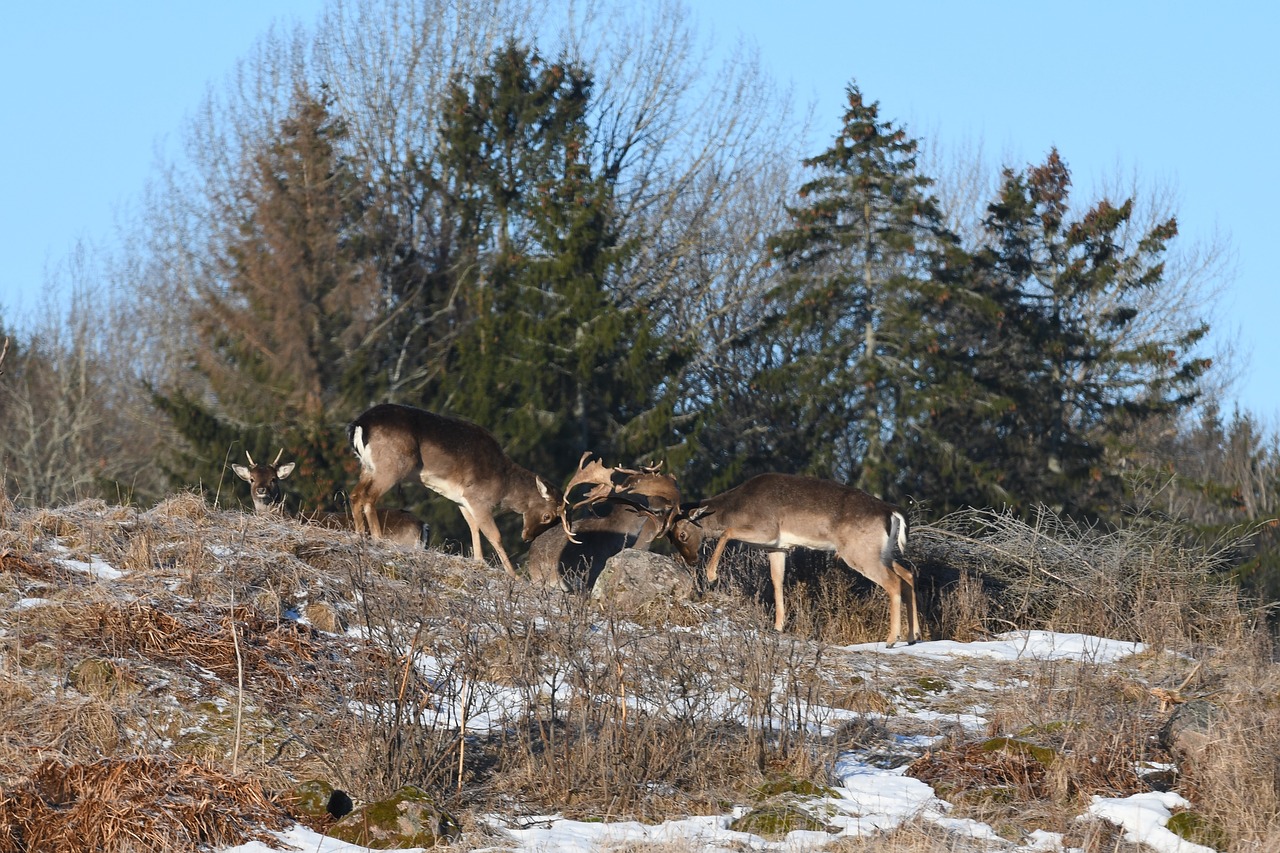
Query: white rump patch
point(362, 449)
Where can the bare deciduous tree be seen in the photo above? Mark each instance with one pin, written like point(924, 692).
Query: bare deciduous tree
point(68, 398)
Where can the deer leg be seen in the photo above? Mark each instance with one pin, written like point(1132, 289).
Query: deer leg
point(894, 588)
point(469, 517)
point(490, 530)
point(909, 585)
point(778, 571)
point(713, 565)
point(885, 577)
point(357, 508)
point(364, 513)
point(371, 518)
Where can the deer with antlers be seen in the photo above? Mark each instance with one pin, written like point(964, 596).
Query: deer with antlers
point(397, 525)
point(649, 491)
point(455, 458)
point(779, 512)
point(627, 508)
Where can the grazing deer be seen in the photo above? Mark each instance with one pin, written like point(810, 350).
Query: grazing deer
point(783, 511)
point(399, 526)
point(454, 458)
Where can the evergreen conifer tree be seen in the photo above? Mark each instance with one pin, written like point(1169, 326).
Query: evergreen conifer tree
point(280, 329)
point(1063, 381)
point(845, 345)
point(549, 356)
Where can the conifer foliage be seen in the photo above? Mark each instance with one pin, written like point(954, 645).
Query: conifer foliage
point(281, 326)
point(551, 356)
point(1063, 376)
point(891, 355)
point(855, 267)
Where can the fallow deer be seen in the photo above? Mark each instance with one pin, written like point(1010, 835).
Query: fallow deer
point(654, 494)
point(454, 458)
point(627, 509)
point(399, 526)
point(572, 560)
point(779, 512)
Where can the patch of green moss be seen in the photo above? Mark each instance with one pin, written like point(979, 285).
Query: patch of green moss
point(310, 798)
point(1043, 754)
point(925, 685)
point(775, 821)
point(932, 684)
point(1194, 827)
point(792, 785)
point(987, 795)
point(409, 818)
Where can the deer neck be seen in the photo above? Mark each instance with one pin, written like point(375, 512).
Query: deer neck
point(521, 492)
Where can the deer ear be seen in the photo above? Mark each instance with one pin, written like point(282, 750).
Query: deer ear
point(241, 472)
point(542, 489)
point(699, 512)
point(285, 470)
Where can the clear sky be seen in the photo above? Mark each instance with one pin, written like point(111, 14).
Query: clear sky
point(1185, 94)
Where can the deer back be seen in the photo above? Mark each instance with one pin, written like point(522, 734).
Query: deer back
point(788, 510)
point(556, 560)
point(456, 458)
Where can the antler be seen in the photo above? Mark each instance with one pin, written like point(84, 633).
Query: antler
point(660, 491)
point(593, 472)
point(278, 455)
point(249, 457)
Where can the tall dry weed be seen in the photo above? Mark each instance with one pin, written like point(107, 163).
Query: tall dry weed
point(1150, 582)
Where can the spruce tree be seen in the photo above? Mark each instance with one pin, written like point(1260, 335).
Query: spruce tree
point(843, 347)
point(1063, 380)
point(281, 328)
point(549, 356)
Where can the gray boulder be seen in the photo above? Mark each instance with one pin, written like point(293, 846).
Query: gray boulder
point(635, 582)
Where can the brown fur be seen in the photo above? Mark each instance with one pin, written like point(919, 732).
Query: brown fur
point(455, 458)
point(397, 525)
point(556, 560)
point(782, 511)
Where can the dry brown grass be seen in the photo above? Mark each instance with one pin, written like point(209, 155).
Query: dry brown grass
point(198, 661)
point(133, 804)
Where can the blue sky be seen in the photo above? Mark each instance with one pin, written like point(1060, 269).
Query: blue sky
point(1186, 94)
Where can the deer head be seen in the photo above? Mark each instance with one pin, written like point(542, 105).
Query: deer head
point(646, 489)
point(264, 482)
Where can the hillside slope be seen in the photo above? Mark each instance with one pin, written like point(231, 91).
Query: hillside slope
point(171, 676)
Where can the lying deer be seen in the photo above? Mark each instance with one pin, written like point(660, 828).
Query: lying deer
point(628, 509)
point(399, 526)
point(573, 559)
point(454, 458)
point(782, 511)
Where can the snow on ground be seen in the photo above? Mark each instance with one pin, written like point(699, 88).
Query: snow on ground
point(1143, 818)
point(1018, 645)
point(95, 566)
point(869, 798)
